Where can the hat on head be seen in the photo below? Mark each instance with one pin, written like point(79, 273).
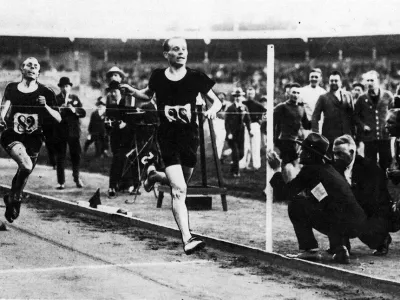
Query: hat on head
point(238, 92)
point(115, 69)
point(316, 143)
point(100, 101)
point(64, 81)
point(113, 85)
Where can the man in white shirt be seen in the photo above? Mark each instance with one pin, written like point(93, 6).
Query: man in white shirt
point(310, 93)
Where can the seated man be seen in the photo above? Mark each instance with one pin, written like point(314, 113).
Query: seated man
point(329, 206)
point(369, 185)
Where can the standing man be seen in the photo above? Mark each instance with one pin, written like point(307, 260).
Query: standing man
point(176, 89)
point(253, 144)
point(28, 113)
point(68, 132)
point(121, 140)
point(310, 93)
point(371, 111)
point(97, 130)
point(357, 90)
point(291, 120)
point(337, 107)
point(236, 122)
point(219, 125)
point(116, 74)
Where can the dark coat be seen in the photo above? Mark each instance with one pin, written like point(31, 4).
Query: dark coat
point(289, 121)
point(373, 115)
point(236, 119)
point(96, 124)
point(369, 186)
point(338, 115)
point(70, 125)
point(342, 211)
point(256, 110)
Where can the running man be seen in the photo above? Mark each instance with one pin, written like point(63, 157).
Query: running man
point(176, 88)
point(26, 116)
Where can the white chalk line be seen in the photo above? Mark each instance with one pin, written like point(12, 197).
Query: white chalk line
point(108, 266)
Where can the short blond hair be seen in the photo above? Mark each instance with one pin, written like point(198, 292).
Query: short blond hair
point(345, 139)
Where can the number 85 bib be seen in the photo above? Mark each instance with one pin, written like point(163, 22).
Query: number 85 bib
point(25, 123)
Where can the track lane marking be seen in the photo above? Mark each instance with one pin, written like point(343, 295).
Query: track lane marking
point(108, 266)
point(162, 282)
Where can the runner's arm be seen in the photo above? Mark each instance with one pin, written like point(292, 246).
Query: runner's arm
point(144, 94)
point(4, 109)
point(215, 107)
point(55, 114)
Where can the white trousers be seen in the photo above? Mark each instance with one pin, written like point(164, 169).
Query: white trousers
point(252, 148)
point(220, 134)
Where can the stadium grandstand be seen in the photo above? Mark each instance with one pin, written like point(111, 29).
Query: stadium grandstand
point(231, 47)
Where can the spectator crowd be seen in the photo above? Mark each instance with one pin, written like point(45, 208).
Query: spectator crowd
point(336, 146)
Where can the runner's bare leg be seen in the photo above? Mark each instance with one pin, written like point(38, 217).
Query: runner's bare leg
point(25, 166)
point(177, 176)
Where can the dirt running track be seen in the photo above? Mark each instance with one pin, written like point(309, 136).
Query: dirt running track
point(50, 253)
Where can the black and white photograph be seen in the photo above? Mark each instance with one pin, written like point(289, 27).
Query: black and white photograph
point(200, 149)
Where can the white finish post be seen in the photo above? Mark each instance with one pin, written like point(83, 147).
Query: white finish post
point(270, 145)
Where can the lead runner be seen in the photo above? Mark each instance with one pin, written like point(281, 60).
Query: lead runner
point(176, 89)
point(26, 117)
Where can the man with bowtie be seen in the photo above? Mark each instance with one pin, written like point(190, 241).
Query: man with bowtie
point(68, 132)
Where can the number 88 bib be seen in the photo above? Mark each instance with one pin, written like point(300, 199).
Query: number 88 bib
point(25, 123)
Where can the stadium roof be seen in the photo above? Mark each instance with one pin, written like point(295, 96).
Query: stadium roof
point(198, 19)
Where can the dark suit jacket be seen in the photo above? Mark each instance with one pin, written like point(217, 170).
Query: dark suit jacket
point(369, 186)
point(256, 110)
point(343, 212)
point(236, 119)
point(70, 125)
point(96, 124)
point(338, 115)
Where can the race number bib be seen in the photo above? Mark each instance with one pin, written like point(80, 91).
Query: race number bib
point(25, 123)
point(178, 113)
point(319, 192)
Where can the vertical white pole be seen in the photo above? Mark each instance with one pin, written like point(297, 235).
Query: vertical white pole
point(270, 145)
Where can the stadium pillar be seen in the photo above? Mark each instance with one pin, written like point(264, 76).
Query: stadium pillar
point(270, 146)
point(105, 55)
point(307, 55)
point(19, 52)
point(47, 53)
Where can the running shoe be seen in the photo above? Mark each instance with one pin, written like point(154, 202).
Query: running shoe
point(79, 183)
point(150, 181)
point(193, 244)
point(12, 208)
point(112, 193)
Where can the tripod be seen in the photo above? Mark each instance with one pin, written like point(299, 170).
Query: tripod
point(134, 155)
